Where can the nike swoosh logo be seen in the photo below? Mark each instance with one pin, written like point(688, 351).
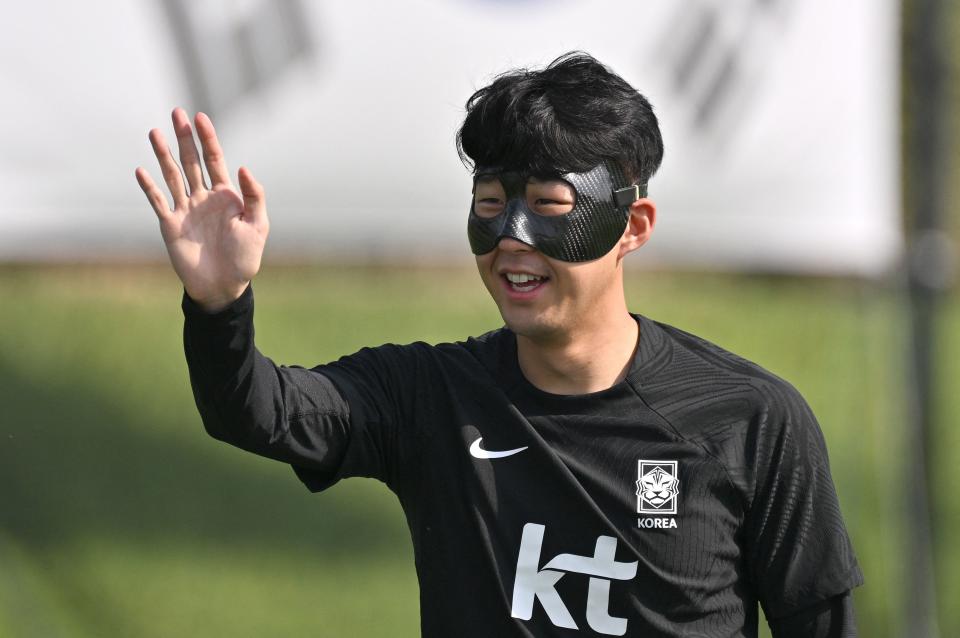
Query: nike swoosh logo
point(480, 453)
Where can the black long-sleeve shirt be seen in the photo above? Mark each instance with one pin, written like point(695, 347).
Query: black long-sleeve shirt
point(666, 505)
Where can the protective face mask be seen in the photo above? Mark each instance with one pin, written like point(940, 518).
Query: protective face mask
point(588, 231)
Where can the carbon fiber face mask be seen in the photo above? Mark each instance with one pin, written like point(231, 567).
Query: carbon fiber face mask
point(589, 231)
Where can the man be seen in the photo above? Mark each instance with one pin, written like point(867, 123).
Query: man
point(583, 471)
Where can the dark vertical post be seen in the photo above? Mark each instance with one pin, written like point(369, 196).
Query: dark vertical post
point(925, 100)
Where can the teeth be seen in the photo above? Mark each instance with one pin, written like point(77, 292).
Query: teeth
point(522, 278)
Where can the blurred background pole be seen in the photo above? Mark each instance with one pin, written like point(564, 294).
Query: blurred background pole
point(925, 57)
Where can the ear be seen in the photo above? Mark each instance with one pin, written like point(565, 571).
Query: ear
point(643, 216)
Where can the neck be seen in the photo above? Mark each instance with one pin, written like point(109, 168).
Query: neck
point(589, 358)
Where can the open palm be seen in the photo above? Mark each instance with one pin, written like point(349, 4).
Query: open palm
point(215, 236)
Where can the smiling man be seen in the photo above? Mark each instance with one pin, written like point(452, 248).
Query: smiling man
point(581, 471)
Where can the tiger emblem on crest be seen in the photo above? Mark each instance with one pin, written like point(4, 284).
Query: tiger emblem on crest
point(658, 487)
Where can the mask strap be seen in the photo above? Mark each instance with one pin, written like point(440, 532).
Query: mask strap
point(628, 195)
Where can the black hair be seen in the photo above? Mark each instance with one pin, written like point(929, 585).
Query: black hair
point(568, 117)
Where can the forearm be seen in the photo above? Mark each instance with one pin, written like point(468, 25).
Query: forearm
point(833, 618)
point(286, 413)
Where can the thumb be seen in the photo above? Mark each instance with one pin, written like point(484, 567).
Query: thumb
point(254, 199)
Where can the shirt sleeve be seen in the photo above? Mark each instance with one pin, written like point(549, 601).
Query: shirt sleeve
point(389, 393)
point(832, 618)
point(799, 553)
point(288, 413)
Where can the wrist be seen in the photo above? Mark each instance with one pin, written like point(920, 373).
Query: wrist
point(212, 304)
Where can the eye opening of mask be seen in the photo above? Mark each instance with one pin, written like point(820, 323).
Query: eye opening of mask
point(490, 181)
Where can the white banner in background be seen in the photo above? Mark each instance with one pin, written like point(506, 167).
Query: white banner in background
point(779, 119)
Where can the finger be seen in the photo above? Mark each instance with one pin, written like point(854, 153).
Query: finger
point(212, 153)
point(189, 158)
point(254, 198)
point(154, 194)
point(169, 168)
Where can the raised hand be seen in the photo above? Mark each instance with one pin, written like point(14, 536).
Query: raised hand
point(214, 235)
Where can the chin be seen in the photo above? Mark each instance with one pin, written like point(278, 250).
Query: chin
point(530, 326)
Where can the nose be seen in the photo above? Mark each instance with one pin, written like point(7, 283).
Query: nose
point(513, 245)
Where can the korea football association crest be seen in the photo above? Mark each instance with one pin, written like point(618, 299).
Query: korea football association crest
point(658, 488)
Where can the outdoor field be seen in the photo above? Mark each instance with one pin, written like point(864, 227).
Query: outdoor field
point(120, 516)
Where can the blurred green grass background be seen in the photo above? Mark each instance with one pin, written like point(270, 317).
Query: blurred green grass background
point(119, 516)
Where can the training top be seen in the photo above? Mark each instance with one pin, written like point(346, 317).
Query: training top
point(667, 505)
